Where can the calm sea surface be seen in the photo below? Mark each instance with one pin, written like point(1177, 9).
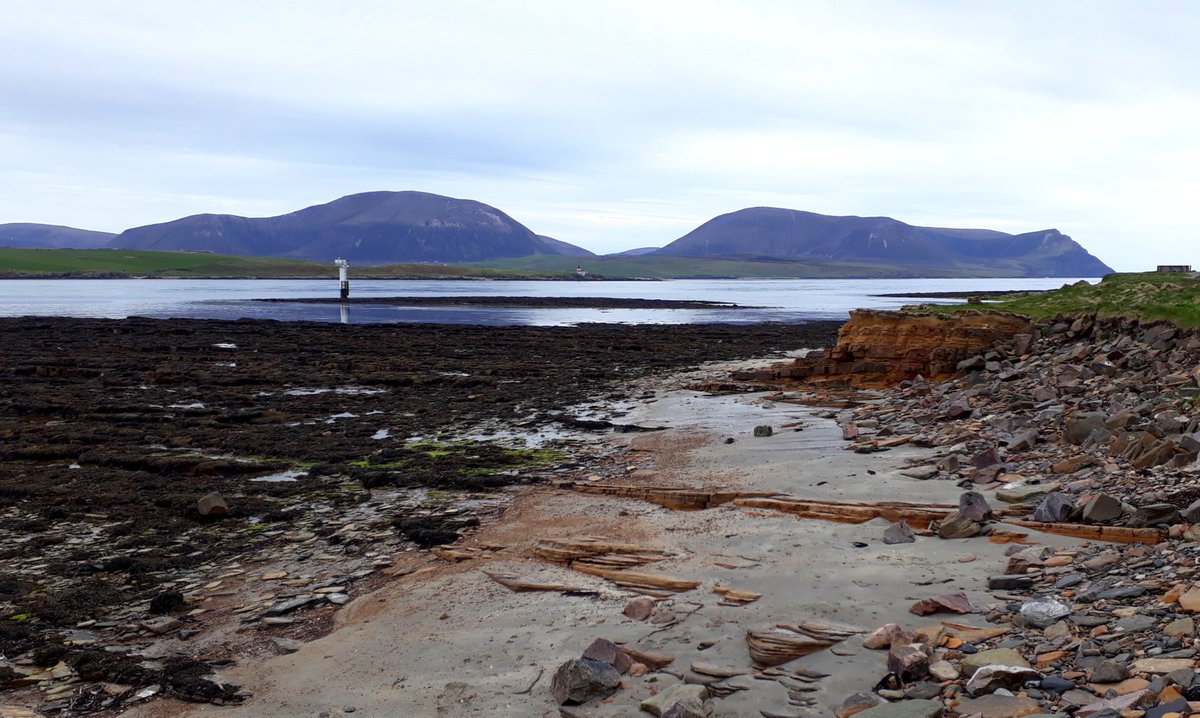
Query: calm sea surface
point(765, 299)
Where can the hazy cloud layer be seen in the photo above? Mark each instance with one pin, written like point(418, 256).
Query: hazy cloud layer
point(613, 124)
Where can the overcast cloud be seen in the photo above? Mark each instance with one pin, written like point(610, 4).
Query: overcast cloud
point(616, 124)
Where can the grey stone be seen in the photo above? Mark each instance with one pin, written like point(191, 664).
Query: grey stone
point(920, 472)
point(958, 526)
point(899, 532)
point(1023, 441)
point(974, 506)
point(990, 657)
point(1021, 492)
point(580, 680)
point(856, 703)
point(1109, 672)
point(1135, 623)
point(1077, 428)
point(989, 679)
point(668, 697)
point(1058, 684)
point(1017, 582)
point(909, 661)
point(1054, 508)
point(1183, 677)
point(1042, 612)
point(997, 706)
point(287, 606)
point(1154, 514)
point(160, 626)
point(1101, 508)
point(212, 505)
point(690, 708)
point(763, 430)
point(1192, 513)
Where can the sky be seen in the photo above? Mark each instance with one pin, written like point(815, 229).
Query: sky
point(615, 124)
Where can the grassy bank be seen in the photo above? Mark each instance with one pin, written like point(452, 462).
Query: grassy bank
point(120, 263)
point(1145, 295)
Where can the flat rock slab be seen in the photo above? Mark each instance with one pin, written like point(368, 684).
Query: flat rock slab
point(993, 657)
point(1025, 493)
point(1162, 665)
point(905, 709)
point(997, 706)
point(662, 702)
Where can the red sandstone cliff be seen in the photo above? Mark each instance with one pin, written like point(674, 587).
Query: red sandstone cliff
point(877, 348)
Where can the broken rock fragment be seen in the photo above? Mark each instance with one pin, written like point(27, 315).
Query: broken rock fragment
point(580, 680)
point(899, 532)
point(974, 506)
point(945, 603)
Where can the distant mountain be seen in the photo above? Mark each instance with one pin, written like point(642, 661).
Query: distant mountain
point(772, 233)
point(561, 247)
point(368, 228)
point(51, 236)
point(639, 251)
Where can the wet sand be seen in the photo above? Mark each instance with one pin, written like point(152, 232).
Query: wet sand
point(446, 640)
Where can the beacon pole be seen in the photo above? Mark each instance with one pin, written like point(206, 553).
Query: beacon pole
point(343, 276)
point(344, 285)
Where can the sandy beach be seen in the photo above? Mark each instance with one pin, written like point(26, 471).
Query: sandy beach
point(447, 640)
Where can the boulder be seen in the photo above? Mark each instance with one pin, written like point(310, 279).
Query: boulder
point(974, 506)
point(212, 505)
point(605, 651)
point(580, 680)
point(763, 430)
point(1101, 508)
point(909, 661)
point(958, 526)
point(1153, 515)
point(1054, 508)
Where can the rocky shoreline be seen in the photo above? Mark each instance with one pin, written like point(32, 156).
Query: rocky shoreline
point(179, 494)
point(1080, 426)
point(1077, 423)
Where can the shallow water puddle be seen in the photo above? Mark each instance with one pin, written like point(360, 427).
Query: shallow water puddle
point(289, 475)
point(349, 390)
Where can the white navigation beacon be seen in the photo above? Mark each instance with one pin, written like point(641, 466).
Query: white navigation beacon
point(343, 276)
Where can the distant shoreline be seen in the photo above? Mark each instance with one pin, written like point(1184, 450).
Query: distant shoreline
point(534, 302)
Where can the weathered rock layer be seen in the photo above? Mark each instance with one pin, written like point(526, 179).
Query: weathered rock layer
point(879, 348)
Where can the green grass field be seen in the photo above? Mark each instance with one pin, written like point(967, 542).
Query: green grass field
point(1145, 295)
point(16, 263)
